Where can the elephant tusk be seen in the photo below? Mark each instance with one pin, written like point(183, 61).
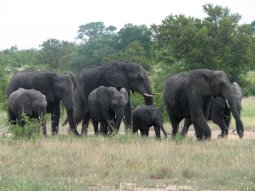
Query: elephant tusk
point(156, 94)
point(227, 103)
point(147, 95)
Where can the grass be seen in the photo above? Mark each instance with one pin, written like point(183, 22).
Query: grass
point(69, 163)
point(65, 162)
point(248, 113)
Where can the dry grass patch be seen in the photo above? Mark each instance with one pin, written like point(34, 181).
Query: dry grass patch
point(69, 163)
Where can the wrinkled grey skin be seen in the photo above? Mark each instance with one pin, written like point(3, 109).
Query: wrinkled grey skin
point(78, 111)
point(130, 76)
point(188, 96)
point(56, 88)
point(145, 116)
point(219, 112)
point(107, 105)
point(31, 102)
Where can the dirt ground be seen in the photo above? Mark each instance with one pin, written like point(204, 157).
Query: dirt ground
point(249, 134)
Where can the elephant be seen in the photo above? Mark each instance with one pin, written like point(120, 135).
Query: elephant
point(31, 102)
point(188, 96)
point(130, 76)
point(107, 105)
point(78, 111)
point(219, 111)
point(56, 87)
point(145, 116)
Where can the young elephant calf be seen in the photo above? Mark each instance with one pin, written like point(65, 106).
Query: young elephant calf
point(145, 116)
point(107, 105)
point(31, 102)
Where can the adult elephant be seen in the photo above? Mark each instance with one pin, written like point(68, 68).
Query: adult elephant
point(188, 95)
point(219, 111)
point(31, 102)
point(145, 116)
point(130, 76)
point(107, 105)
point(56, 88)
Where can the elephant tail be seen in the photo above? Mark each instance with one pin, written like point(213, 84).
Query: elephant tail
point(164, 131)
point(65, 121)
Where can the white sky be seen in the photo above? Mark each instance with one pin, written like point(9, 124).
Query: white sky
point(27, 23)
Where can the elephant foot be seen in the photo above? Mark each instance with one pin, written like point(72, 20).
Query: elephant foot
point(53, 133)
point(84, 130)
point(128, 128)
point(75, 132)
point(223, 135)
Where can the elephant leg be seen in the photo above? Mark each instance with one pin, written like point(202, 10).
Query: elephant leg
point(218, 119)
point(128, 117)
point(85, 124)
point(95, 125)
point(21, 122)
point(103, 128)
point(111, 127)
point(157, 131)
point(144, 131)
point(202, 129)
point(134, 129)
point(55, 116)
point(227, 117)
point(175, 124)
point(12, 118)
point(185, 129)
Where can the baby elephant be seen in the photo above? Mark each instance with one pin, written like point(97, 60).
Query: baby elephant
point(107, 105)
point(31, 102)
point(145, 116)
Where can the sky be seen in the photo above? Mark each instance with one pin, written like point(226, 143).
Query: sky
point(27, 23)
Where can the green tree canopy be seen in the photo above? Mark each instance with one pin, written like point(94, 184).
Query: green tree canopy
point(56, 54)
point(216, 42)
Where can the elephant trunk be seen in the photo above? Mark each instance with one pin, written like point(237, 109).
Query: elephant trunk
point(69, 110)
point(147, 95)
point(235, 113)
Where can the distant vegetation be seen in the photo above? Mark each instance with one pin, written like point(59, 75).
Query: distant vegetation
point(179, 43)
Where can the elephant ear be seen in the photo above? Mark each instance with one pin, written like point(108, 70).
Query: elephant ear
point(125, 94)
point(116, 77)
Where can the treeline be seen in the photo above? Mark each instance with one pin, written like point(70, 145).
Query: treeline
point(179, 43)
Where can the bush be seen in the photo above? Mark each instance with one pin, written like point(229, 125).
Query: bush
point(31, 129)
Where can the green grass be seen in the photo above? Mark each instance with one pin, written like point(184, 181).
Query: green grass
point(248, 113)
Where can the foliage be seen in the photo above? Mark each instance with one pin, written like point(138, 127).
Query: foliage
point(93, 30)
point(102, 45)
point(56, 54)
point(178, 44)
point(216, 42)
point(31, 129)
point(133, 33)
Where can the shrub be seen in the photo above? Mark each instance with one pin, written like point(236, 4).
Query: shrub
point(31, 129)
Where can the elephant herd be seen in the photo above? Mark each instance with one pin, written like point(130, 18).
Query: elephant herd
point(101, 94)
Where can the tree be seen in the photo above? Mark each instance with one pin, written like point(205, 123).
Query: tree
point(56, 54)
point(133, 33)
point(134, 52)
point(93, 30)
point(216, 42)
